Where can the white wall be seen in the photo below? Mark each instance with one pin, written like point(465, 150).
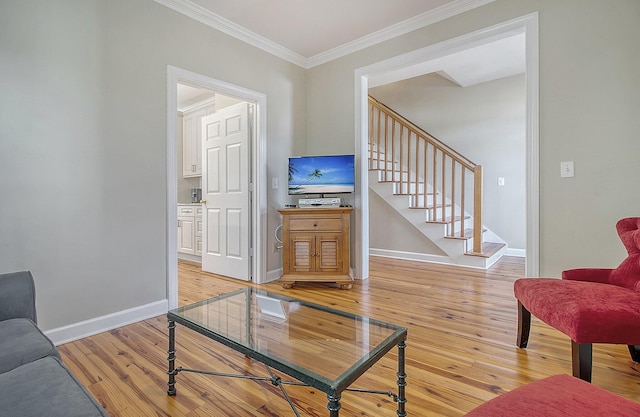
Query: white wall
point(589, 106)
point(485, 123)
point(82, 143)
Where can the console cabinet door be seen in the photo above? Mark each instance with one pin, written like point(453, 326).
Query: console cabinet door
point(328, 252)
point(302, 252)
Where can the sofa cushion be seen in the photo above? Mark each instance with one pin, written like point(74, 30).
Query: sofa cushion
point(22, 342)
point(45, 388)
point(558, 396)
point(576, 308)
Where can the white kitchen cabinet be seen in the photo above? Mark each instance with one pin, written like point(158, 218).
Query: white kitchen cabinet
point(186, 235)
point(192, 140)
point(190, 229)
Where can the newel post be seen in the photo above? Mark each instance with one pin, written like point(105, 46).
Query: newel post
point(477, 208)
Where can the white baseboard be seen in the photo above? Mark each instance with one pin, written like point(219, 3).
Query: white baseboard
point(520, 253)
point(111, 321)
point(410, 256)
point(189, 257)
point(272, 275)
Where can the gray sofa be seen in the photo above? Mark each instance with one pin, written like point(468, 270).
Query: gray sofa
point(33, 380)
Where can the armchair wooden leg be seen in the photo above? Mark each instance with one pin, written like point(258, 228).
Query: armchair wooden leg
point(524, 326)
point(581, 357)
point(634, 350)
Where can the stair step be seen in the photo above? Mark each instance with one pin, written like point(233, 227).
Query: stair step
point(447, 220)
point(413, 194)
point(468, 234)
point(438, 206)
point(488, 250)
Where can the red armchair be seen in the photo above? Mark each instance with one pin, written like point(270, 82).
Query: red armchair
point(590, 305)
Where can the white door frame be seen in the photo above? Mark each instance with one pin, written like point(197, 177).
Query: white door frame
point(258, 175)
point(527, 24)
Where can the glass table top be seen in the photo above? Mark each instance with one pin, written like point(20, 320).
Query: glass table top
point(323, 347)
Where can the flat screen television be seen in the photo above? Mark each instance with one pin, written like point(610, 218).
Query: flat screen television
point(327, 174)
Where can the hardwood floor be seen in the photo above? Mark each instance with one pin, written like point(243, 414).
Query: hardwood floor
point(460, 350)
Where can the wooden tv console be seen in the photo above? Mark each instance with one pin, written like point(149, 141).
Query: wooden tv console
point(316, 245)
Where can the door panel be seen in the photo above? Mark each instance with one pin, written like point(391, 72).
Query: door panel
point(225, 184)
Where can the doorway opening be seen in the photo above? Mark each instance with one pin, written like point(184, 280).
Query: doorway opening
point(256, 171)
point(396, 67)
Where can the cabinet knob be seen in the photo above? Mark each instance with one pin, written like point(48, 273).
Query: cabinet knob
point(203, 201)
point(315, 225)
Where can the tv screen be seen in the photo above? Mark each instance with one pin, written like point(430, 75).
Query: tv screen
point(328, 174)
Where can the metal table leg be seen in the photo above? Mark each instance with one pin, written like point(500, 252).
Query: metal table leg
point(172, 358)
point(334, 405)
point(402, 383)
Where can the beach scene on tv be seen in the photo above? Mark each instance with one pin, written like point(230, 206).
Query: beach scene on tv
point(321, 174)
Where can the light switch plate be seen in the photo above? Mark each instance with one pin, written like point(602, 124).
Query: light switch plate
point(566, 169)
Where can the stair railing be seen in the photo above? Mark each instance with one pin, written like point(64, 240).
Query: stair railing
point(438, 178)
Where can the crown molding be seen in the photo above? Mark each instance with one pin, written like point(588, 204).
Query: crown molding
point(202, 15)
point(401, 28)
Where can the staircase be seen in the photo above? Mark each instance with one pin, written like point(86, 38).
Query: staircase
point(435, 188)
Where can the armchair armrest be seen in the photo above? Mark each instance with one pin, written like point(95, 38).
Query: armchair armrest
point(600, 275)
point(17, 296)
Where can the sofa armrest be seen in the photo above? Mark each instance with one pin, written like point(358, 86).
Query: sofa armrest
point(600, 275)
point(17, 296)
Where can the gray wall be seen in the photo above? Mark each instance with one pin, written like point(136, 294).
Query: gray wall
point(589, 106)
point(83, 117)
point(484, 122)
point(83, 143)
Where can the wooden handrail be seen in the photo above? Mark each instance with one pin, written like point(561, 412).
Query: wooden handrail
point(425, 168)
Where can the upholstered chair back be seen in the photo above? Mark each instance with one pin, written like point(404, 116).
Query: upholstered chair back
point(627, 274)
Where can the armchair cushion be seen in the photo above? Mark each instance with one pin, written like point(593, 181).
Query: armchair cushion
point(22, 342)
point(599, 275)
point(627, 274)
point(576, 308)
point(561, 396)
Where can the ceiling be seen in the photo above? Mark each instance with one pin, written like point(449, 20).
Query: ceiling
point(311, 27)
point(311, 32)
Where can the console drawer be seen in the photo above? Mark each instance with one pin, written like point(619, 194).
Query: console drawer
point(305, 224)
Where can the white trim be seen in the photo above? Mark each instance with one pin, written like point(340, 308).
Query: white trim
point(189, 257)
point(411, 256)
point(101, 324)
point(259, 172)
point(416, 22)
point(205, 16)
point(520, 253)
point(527, 24)
point(273, 275)
point(202, 15)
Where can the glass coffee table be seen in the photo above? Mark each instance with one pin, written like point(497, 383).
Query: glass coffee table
point(316, 346)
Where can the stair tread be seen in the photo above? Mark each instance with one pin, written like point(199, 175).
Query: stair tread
point(468, 234)
point(447, 220)
point(430, 207)
point(488, 250)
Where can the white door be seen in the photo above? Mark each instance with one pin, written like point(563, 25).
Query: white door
point(225, 191)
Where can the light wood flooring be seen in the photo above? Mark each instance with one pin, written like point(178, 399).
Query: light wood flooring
point(460, 350)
